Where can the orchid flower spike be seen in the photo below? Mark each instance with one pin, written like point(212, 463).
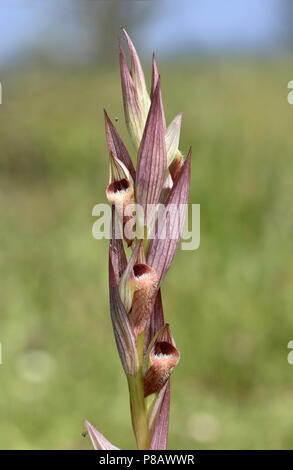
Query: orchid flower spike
point(144, 341)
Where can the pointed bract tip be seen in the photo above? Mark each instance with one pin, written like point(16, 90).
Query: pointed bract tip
point(125, 33)
point(106, 117)
point(129, 42)
point(165, 335)
point(157, 90)
point(155, 75)
point(98, 440)
point(187, 163)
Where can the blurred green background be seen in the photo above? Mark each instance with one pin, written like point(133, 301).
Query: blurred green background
point(229, 303)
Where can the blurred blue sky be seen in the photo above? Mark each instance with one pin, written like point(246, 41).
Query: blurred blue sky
point(216, 24)
point(174, 25)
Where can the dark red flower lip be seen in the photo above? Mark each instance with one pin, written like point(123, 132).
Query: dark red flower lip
point(118, 186)
point(164, 349)
point(141, 270)
point(120, 192)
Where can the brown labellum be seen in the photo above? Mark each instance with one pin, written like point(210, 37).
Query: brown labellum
point(146, 287)
point(176, 165)
point(164, 356)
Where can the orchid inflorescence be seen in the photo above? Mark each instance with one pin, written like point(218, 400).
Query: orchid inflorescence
point(144, 341)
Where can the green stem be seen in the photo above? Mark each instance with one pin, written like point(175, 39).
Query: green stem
point(149, 403)
point(137, 402)
point(146, 240)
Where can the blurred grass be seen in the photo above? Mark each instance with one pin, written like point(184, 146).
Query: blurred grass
point(229, 303)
